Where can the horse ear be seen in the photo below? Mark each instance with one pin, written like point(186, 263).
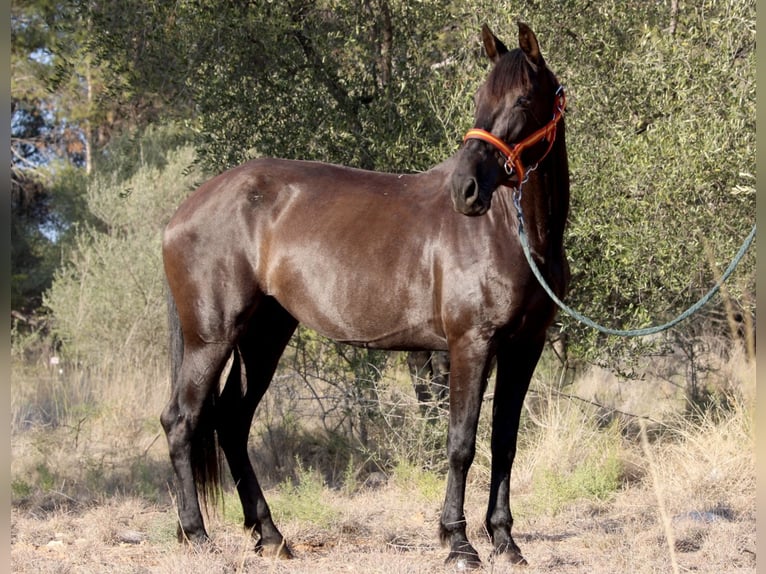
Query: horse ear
point(528, 44)
point(494, 47)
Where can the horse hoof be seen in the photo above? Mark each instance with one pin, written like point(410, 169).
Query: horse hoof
point(518, 560)
point(511, 555)
point(463, 564)
point(274, 550)
point(464, 560)
point(197, 539)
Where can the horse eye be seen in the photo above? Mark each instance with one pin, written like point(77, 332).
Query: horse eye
point(522, 102)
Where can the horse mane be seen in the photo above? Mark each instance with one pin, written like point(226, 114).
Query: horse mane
point(512, 70)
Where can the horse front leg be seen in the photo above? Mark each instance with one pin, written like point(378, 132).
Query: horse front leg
point(515, 365)
point(469, 364)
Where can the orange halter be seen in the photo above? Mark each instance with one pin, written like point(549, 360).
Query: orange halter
point(511, 153)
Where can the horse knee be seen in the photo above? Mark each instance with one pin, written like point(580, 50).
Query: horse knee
point(169, 417)
point(461, 454)
point(178, 429)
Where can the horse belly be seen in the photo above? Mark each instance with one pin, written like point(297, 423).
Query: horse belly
point(379, 307)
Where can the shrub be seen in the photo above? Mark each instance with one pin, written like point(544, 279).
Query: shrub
point(108, 300)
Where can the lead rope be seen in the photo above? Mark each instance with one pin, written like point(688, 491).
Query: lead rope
point(624, 332)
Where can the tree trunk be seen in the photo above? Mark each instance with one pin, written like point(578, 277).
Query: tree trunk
point(673, 17)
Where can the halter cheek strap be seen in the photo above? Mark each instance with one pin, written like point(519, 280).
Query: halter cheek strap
point(511, 153)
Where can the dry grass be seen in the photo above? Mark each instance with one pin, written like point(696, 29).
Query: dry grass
point(89, 500)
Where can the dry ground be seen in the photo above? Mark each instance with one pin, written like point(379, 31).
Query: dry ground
point(685, 503)
point(388, 531)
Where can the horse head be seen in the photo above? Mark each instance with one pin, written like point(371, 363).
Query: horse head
point(513, 112)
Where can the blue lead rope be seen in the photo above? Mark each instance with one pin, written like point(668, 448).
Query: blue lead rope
point(630, 332)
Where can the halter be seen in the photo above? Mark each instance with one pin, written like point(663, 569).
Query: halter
point(511, 153)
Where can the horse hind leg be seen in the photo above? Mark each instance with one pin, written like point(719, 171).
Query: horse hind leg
point(258, 352)
point(440, 381)
point(189, 427)
point(421, 373)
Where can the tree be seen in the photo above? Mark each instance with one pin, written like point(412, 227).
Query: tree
point(662, 150)
point(52, 110)
point(660, 120)
point(338, 81)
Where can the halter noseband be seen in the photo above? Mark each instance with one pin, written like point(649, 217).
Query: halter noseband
point(511, 153)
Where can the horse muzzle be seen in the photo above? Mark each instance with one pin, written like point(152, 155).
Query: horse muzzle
point(469, 197)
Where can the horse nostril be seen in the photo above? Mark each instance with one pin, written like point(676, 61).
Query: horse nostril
point(470, 191)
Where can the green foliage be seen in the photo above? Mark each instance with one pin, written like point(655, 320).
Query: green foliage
point(348, 83)
point(567, 451)
point(140, 149)
point(231, 507)
point(425, 484)
point(20, 489)
point(661, 128)
point(59, 117)
point(661, 134)
point(52, 78)
point(586, 466)
point(598, 478)
point(304, 499)
point(44, 209)
point(109, 297)
point(661, 120)
point(46, 478)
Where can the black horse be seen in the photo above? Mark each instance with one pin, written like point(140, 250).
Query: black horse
point(378, 260)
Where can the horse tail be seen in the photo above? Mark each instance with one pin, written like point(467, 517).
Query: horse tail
point(175, 339)
point(206, 457)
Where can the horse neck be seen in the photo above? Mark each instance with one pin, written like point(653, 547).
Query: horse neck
point(545, 201)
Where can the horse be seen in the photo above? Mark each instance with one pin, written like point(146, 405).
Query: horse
point(429, 372)
point(404, 262)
